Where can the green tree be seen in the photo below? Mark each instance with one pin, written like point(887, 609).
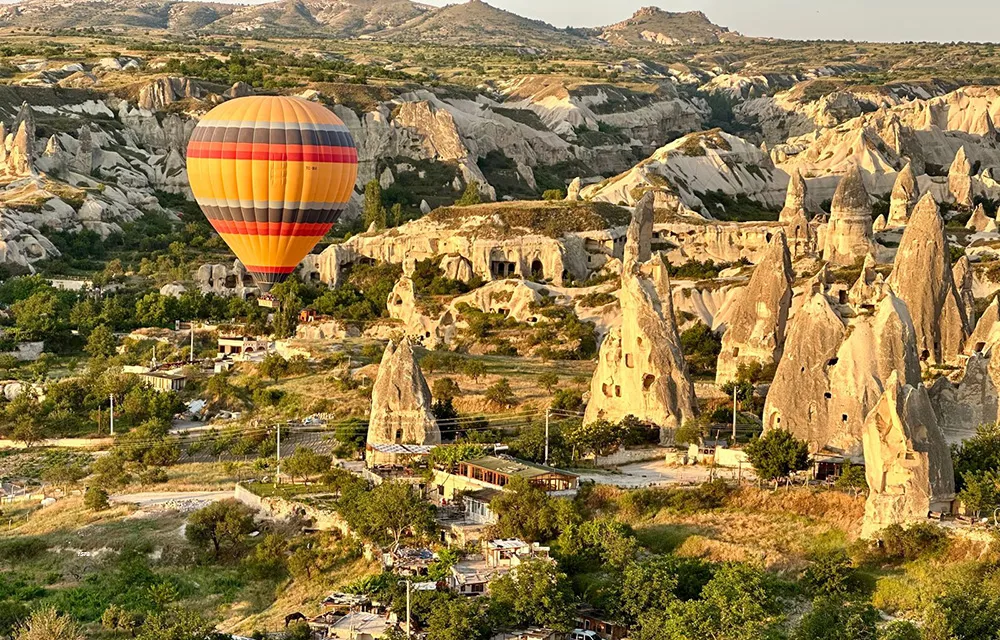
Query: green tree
point(470, 196)
point(834, 619)
point(224, 524)
point(501, 395)
point(175, 624)
point(776, 455)
point(96, 499)
point(101, 342)
point(979, 453)
point(524, 511)
point(388, 513)
point(553, 194)
point(305, 462)
point(273, 366)
point(536, 594)
point(548, 380)
point(64, 475)
point(457, 619)
point(980, 492)
point(374, 211)
point(474, 369)
point(38, 317)
point(852, 478)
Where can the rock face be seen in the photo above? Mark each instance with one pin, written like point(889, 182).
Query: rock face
point(401, 404)
point(960, 180)
point(963, 275)
point(641, 369)
point(19, 152)
point(848, 235)
point(795, 199)
point(573, 190)
point(980, 222)
point(905, 194)
point(166, 91)
point(867, 290)
point(639, 237)
point(922, 277)
point(907, 462)
point(756, 327)
point(831, 375)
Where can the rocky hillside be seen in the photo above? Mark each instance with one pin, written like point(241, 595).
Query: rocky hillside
point(652, 25)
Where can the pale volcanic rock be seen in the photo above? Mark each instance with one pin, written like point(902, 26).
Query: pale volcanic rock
point(20, 152)
point(960, 180)
point(401, 403)
point(457, 267)
point(165, 91)
point(904, 196)
point(801, 235)
point(848, 234)
point(795, 198)
point(83, 159)
point(756, 325)
point(573, 190)
point(639, 236)
point(985, 333)
point(907, 461)
point(867, 290)
point(980, 222)
point(641, 369)
point(796, 400)
point(922, 277)
point(963, 276)
point(830, 377)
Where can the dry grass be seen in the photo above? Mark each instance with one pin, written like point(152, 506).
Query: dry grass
point(64, 515)
point(780, 530)
point(298, 595)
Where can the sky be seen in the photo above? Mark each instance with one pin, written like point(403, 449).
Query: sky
point(870, 20)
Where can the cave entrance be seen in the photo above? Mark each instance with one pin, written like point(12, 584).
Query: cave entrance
point(502, 268)
point(537, 270)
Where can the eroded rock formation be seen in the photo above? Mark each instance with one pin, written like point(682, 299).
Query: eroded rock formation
point(641, 369)
point(922, 277)
point(401, 404)
point(907, 462)
point(795, 198)
point(756, 326)
point(904, 196)
point(848, 234)
point(960, 180)
point(980, 222)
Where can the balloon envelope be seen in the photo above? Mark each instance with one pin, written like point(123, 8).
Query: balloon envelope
point(272, 174)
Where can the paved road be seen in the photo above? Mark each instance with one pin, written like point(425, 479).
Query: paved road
point(172, 499)
point(658, 472)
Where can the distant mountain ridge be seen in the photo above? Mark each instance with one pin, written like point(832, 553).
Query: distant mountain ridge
point(474, 22)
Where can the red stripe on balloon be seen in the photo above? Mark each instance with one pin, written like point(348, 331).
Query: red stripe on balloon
point(269, 269)
point(265, 151)
point(314, 229)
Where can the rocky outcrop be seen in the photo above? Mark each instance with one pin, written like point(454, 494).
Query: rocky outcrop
point(19, 152)
point(980, 222)
point(964, 277)
point(756, 326)
point(831, 376)
point(848, 235)
point(904, 196)
point(573, 190)
point(641, 369)
point(907, 462)
point(960, 180)
point(639, 236)
point(225, 280)
point(401, 404)
point(165, 91)
point(922, 277)
point(795, 199)
point(867, 290)
point(83, 159)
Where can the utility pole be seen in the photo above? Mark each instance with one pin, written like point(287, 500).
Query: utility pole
point(112, 396)
point(408, 583)
point(546, 436)
point(277, 475)
point(735, 386)
point(191, 355)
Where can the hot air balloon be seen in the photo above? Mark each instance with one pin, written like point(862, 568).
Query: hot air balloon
point(272, 174)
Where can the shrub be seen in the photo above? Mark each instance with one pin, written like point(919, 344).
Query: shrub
point(96, 499)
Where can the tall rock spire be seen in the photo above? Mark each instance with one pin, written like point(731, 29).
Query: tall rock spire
point(849, 233)
point(922, 277)
point(795, 198)
point(756, 327)
point(960, 180)
point(401, 403)
point(905, 195)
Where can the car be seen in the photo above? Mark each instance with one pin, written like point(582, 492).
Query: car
point(580, 634)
